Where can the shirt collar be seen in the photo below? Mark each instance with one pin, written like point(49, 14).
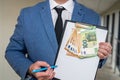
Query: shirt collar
point(69, 5)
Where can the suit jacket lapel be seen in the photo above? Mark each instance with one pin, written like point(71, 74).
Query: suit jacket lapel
point(45, 14)
point(48, 24)
point(78, 12)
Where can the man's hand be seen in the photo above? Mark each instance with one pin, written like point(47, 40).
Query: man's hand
point(46, 75)
point(104, 50)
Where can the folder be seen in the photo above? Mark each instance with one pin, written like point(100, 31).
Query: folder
point(77, 55)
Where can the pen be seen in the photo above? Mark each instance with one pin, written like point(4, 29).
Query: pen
point(42, 69)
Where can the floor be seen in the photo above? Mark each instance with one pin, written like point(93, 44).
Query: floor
point(106, 73)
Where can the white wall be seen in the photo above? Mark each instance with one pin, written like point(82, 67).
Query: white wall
point(9, 11)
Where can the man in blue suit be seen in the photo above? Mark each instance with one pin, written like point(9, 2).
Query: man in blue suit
point(34, 45)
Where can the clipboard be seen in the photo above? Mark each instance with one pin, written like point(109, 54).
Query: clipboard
point(73, 67)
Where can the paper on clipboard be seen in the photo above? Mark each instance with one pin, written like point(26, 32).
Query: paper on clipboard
point(71, 68)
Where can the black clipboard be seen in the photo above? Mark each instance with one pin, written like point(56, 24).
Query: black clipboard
point(73, 68)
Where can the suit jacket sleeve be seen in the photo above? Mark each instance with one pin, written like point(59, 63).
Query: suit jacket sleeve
point(16, 50)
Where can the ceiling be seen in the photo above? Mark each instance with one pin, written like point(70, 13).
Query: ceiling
point(99, 6)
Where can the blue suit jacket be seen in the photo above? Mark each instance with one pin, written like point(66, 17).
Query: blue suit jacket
point(34, 35)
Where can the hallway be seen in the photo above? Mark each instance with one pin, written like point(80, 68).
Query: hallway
point(106, 73)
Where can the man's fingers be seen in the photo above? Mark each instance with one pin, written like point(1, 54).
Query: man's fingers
point(41, 74)
point(42, 63)
point(37, 65)
point(49, 74)
point(104, 50)
point(106, 46)
point(101, 56)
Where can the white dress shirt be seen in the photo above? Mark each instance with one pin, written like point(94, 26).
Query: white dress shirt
point(66, 14)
